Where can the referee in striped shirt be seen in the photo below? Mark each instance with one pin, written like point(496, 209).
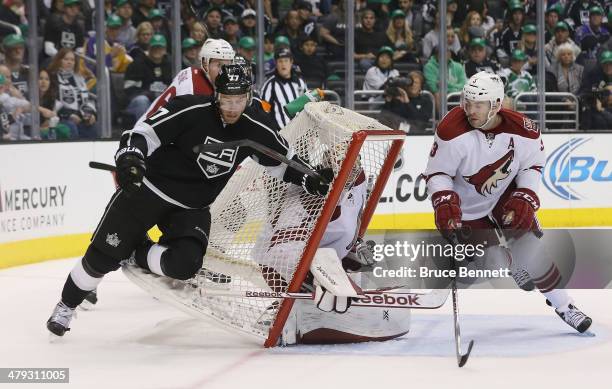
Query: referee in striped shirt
point(284, 86)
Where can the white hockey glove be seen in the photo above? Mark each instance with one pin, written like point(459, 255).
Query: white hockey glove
point(333, 288)
point(327, 302)
point(364, 251)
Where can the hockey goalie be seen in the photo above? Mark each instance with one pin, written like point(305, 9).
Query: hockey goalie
point(329, 317)
point(483, 175)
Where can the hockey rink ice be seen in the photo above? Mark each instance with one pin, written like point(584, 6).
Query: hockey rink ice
point(131, 340)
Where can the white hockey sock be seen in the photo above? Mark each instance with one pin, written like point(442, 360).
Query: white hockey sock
point(82, 279)
point(154, 258)
point(559, 299)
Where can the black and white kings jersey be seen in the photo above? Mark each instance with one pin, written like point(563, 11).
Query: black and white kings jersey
point(190, 180)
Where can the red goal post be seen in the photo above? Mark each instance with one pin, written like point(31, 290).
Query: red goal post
point(358, 139)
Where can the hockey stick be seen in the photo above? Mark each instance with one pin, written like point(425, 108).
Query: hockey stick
point(379, 298)
point(461, 358)
point(526, 285)
point(371, 298)
point(102, 166)
point(213, 147)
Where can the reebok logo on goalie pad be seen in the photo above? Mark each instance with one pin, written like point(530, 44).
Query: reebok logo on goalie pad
point(215, 164)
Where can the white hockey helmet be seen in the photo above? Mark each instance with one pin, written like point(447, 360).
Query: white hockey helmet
point(484, 86)
point(215, 49)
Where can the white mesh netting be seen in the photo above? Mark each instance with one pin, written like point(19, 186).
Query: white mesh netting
point(261, 225)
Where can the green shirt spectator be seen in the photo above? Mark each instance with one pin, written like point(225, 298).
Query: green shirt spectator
point(517, 79)
point(456, 75)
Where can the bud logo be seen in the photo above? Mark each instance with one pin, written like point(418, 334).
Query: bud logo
point(565, 167)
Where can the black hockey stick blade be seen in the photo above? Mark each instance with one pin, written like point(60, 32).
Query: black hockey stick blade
point(212, 147)
point(462, 360)
point(102, 166)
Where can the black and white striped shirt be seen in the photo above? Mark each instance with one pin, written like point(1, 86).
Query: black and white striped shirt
point(279, 92)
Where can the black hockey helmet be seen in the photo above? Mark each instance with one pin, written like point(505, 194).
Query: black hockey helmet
point(246, 65)
point(232, 80)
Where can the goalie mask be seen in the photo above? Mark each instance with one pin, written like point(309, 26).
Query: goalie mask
point(483, 87)
point(233, 92)
point(335, 156)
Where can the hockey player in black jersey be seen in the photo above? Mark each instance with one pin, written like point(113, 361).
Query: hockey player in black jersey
point(164, 183)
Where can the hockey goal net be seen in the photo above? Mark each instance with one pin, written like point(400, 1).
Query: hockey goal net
point(265, 232)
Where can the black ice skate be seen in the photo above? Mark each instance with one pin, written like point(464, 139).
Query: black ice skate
point(90, 300)
point(59, 322)
point(214, 276)
point(575, 318)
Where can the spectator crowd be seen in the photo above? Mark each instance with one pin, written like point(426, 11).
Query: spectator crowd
point(396, 52)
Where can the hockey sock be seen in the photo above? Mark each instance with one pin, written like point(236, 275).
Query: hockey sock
point(81, 280)
point(559, 299)
point(153, 259)
point(182, 259)
point(73, 295)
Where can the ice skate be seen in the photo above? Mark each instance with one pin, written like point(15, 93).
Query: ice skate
point(59, 322)
point(523, 279)
point(90, 301)
point(574, 317)
point(214, 276)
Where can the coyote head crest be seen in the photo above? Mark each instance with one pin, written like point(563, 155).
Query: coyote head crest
point(489, 175)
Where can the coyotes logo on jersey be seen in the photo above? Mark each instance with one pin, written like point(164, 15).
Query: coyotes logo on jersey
point(489, 175)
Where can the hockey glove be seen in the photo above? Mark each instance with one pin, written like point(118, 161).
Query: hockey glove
point(327, 302)
point(130, 168)
point(364, 251)
point(519, 209)
point(315, 186)
point(447, 211)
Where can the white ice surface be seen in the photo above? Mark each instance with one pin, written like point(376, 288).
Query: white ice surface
point(131, 340)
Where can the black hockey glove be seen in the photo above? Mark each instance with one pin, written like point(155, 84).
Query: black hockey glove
point(130, 168)
point(315, 186)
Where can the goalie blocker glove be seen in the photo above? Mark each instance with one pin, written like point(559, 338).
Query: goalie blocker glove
point(328, 302)
point(131, 168)
point(520, 209)
point(447, 210)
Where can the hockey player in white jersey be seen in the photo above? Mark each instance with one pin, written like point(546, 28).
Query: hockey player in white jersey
point(483, 173)
point(197, 80)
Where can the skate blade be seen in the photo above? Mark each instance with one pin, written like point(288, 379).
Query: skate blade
point(587, 334)
point(86, 306)
point(54, 338)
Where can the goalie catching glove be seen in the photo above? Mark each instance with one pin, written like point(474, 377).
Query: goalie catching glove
point(131, 168)
point(360, 257)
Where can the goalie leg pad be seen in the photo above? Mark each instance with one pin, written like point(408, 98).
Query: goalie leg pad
point(309, 325)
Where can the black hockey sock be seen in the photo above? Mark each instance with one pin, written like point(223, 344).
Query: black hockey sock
point(72, 295)
point(183, 258)
point(141, 254)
